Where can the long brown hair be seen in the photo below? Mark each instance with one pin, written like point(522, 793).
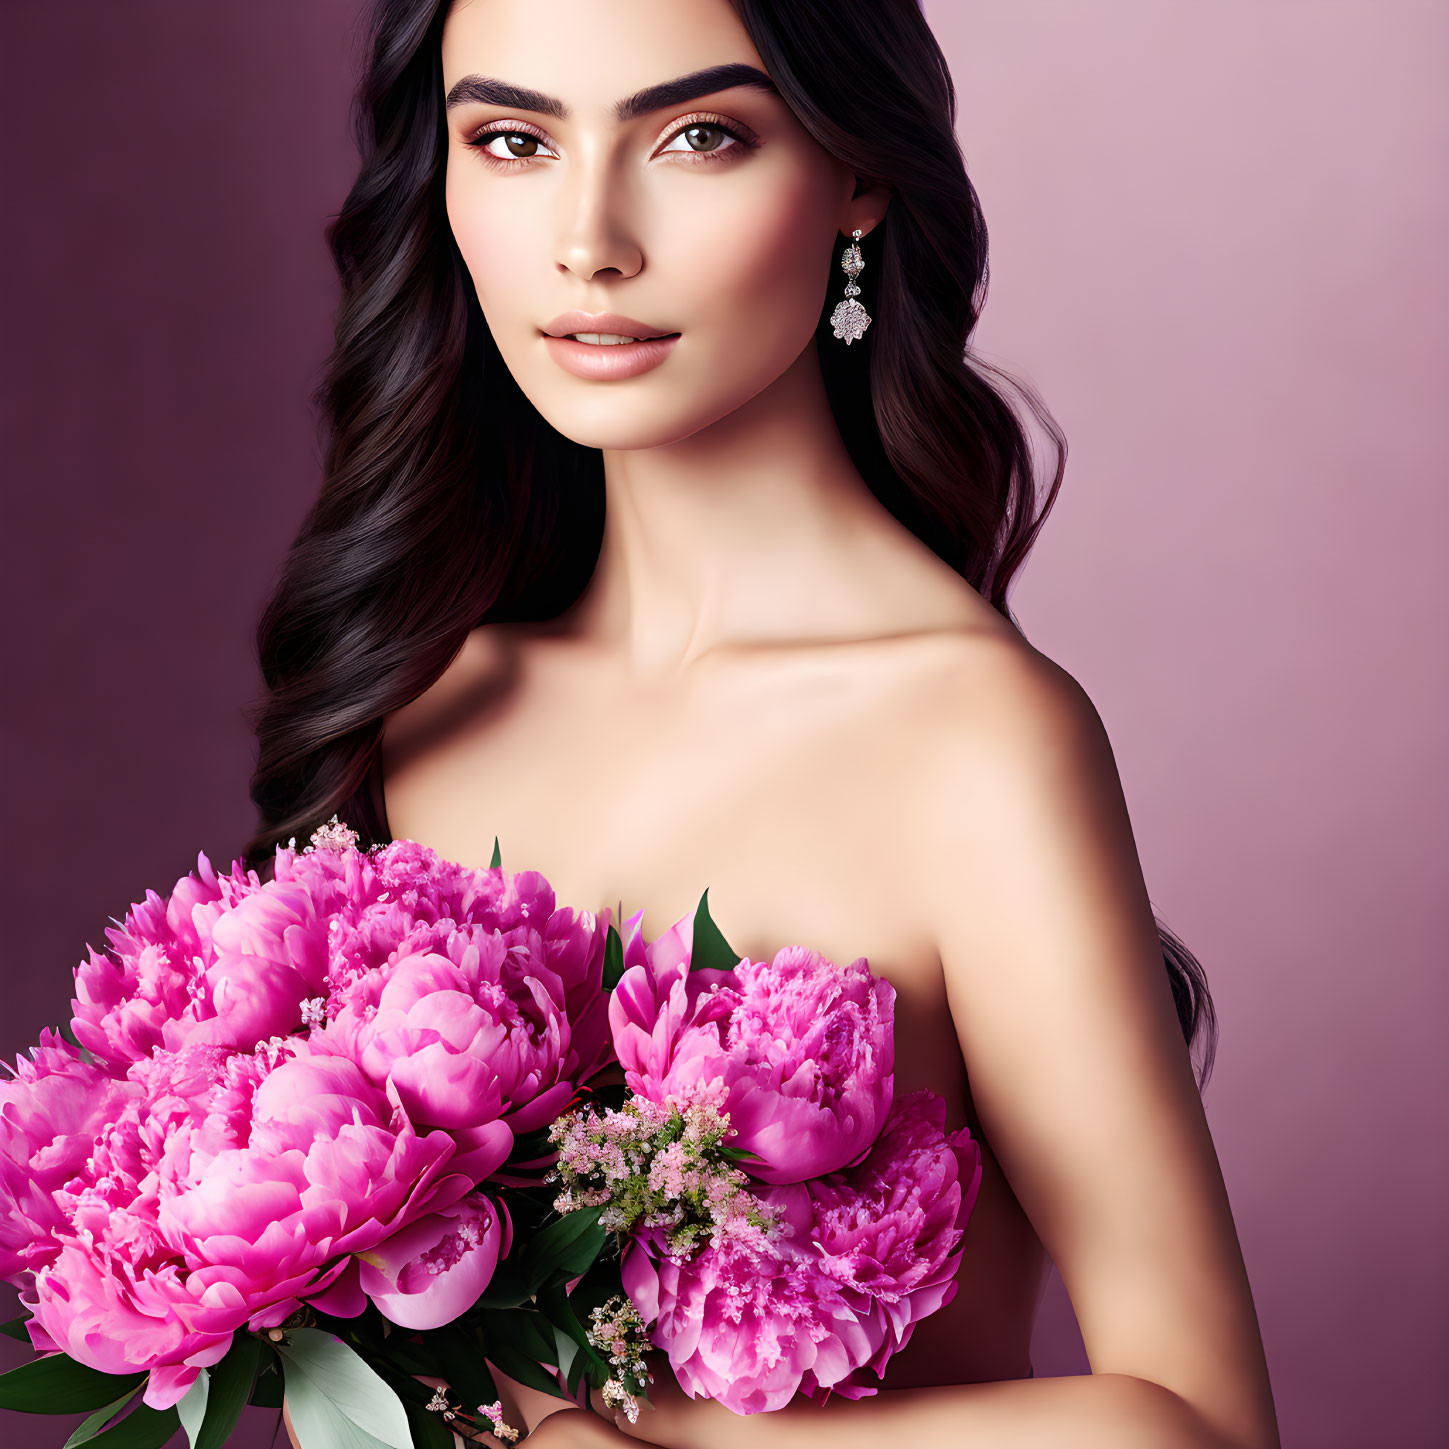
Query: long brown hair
point(447, 501)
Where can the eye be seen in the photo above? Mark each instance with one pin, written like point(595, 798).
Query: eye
point(707, 138)
point(512, 137)
point(709, 130)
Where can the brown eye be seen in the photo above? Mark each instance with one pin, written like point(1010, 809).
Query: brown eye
point(706, 141)
point(713, 134)
point(522, 146)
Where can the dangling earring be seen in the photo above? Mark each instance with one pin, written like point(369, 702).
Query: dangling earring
point(850, 319)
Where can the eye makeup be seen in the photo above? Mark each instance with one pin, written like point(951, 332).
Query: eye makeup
point(743, 140)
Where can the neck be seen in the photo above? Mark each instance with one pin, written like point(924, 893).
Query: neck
point(749, 531)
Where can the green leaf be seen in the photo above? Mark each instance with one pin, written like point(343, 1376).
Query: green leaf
point(57, 1384)
point(568, 1326)
point(566, 1351)
point(267, 1391)
point(576, 1372)
point(428, 1429)
point(564, 1248)
point(597, 1286)
point(143, 1428)
point(427, 1426)
point(407, 1386)
point(560, 1312)
point(509, 1286)
point(461, 1364)
point(567, 1246)
point(523, 1330)
point(497, 858)
point(15, 1328)
point(319, 1424)
point(709, 949)
point(335, 1400)
point(98, 1421)
point(231, 1386)
point(407, 1356)
point(737, 1154)
point(519, 1366)
point(613, 959)
point(191, 1407)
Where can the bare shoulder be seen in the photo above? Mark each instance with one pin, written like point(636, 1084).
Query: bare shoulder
point(988, 706)
point(478, 671)
point(1016, 806)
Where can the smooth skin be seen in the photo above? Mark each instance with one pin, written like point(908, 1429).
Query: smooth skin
point(771, 688)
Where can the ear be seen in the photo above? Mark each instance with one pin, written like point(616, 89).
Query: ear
point(867, 207)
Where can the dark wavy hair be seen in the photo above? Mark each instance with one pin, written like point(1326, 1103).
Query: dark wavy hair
point(448, 501)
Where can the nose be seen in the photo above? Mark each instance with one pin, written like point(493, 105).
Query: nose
point(598, 233)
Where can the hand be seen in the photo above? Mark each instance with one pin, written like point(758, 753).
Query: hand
point(672, 1418)
point(554, 1423)
point(523, 1406)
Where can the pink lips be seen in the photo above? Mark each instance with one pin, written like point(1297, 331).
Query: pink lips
point(604, 361)
point(567, 322)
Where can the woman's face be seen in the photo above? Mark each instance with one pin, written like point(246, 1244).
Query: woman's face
point(711, 215)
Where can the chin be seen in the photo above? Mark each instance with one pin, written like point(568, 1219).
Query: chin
point(625, 419)
point(613, 433)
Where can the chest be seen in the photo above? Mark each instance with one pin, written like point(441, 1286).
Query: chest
point(789, 799)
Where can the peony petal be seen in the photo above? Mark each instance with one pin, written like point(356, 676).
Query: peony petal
point(435, 1269)
point(167, 1386)
point(345, 1298)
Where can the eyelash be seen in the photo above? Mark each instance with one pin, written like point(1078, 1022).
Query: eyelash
point(745, 140)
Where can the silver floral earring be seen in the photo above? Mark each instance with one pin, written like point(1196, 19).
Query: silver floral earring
point(850, 319)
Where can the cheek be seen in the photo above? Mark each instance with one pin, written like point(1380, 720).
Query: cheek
point(761, 276)
point(492, 242)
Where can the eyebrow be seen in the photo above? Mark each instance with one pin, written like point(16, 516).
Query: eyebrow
point(652, 98)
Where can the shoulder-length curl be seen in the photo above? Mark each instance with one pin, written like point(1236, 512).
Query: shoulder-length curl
point(448, 501)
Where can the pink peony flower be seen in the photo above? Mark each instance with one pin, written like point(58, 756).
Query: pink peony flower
point(227, 1188)
point(224, 959)
point(465, 988)
point(863, 1256)
point(289, 1092)
point(891, 1229)
point(50, 1112)
point(435, 1268)
point(492, 1009)
point(799, 1052)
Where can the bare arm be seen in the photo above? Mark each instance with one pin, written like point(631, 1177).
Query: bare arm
point(1054, 972)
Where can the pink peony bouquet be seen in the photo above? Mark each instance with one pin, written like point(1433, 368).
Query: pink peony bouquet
point(787, 1222)
point(307, 1101)
point(383, 1116)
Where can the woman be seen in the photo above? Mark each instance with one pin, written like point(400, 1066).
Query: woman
point(728, 608)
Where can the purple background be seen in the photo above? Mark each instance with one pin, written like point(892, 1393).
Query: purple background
point(1217, 249)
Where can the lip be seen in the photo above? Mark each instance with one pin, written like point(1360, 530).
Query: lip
point(567, 322)
point(607, 362)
